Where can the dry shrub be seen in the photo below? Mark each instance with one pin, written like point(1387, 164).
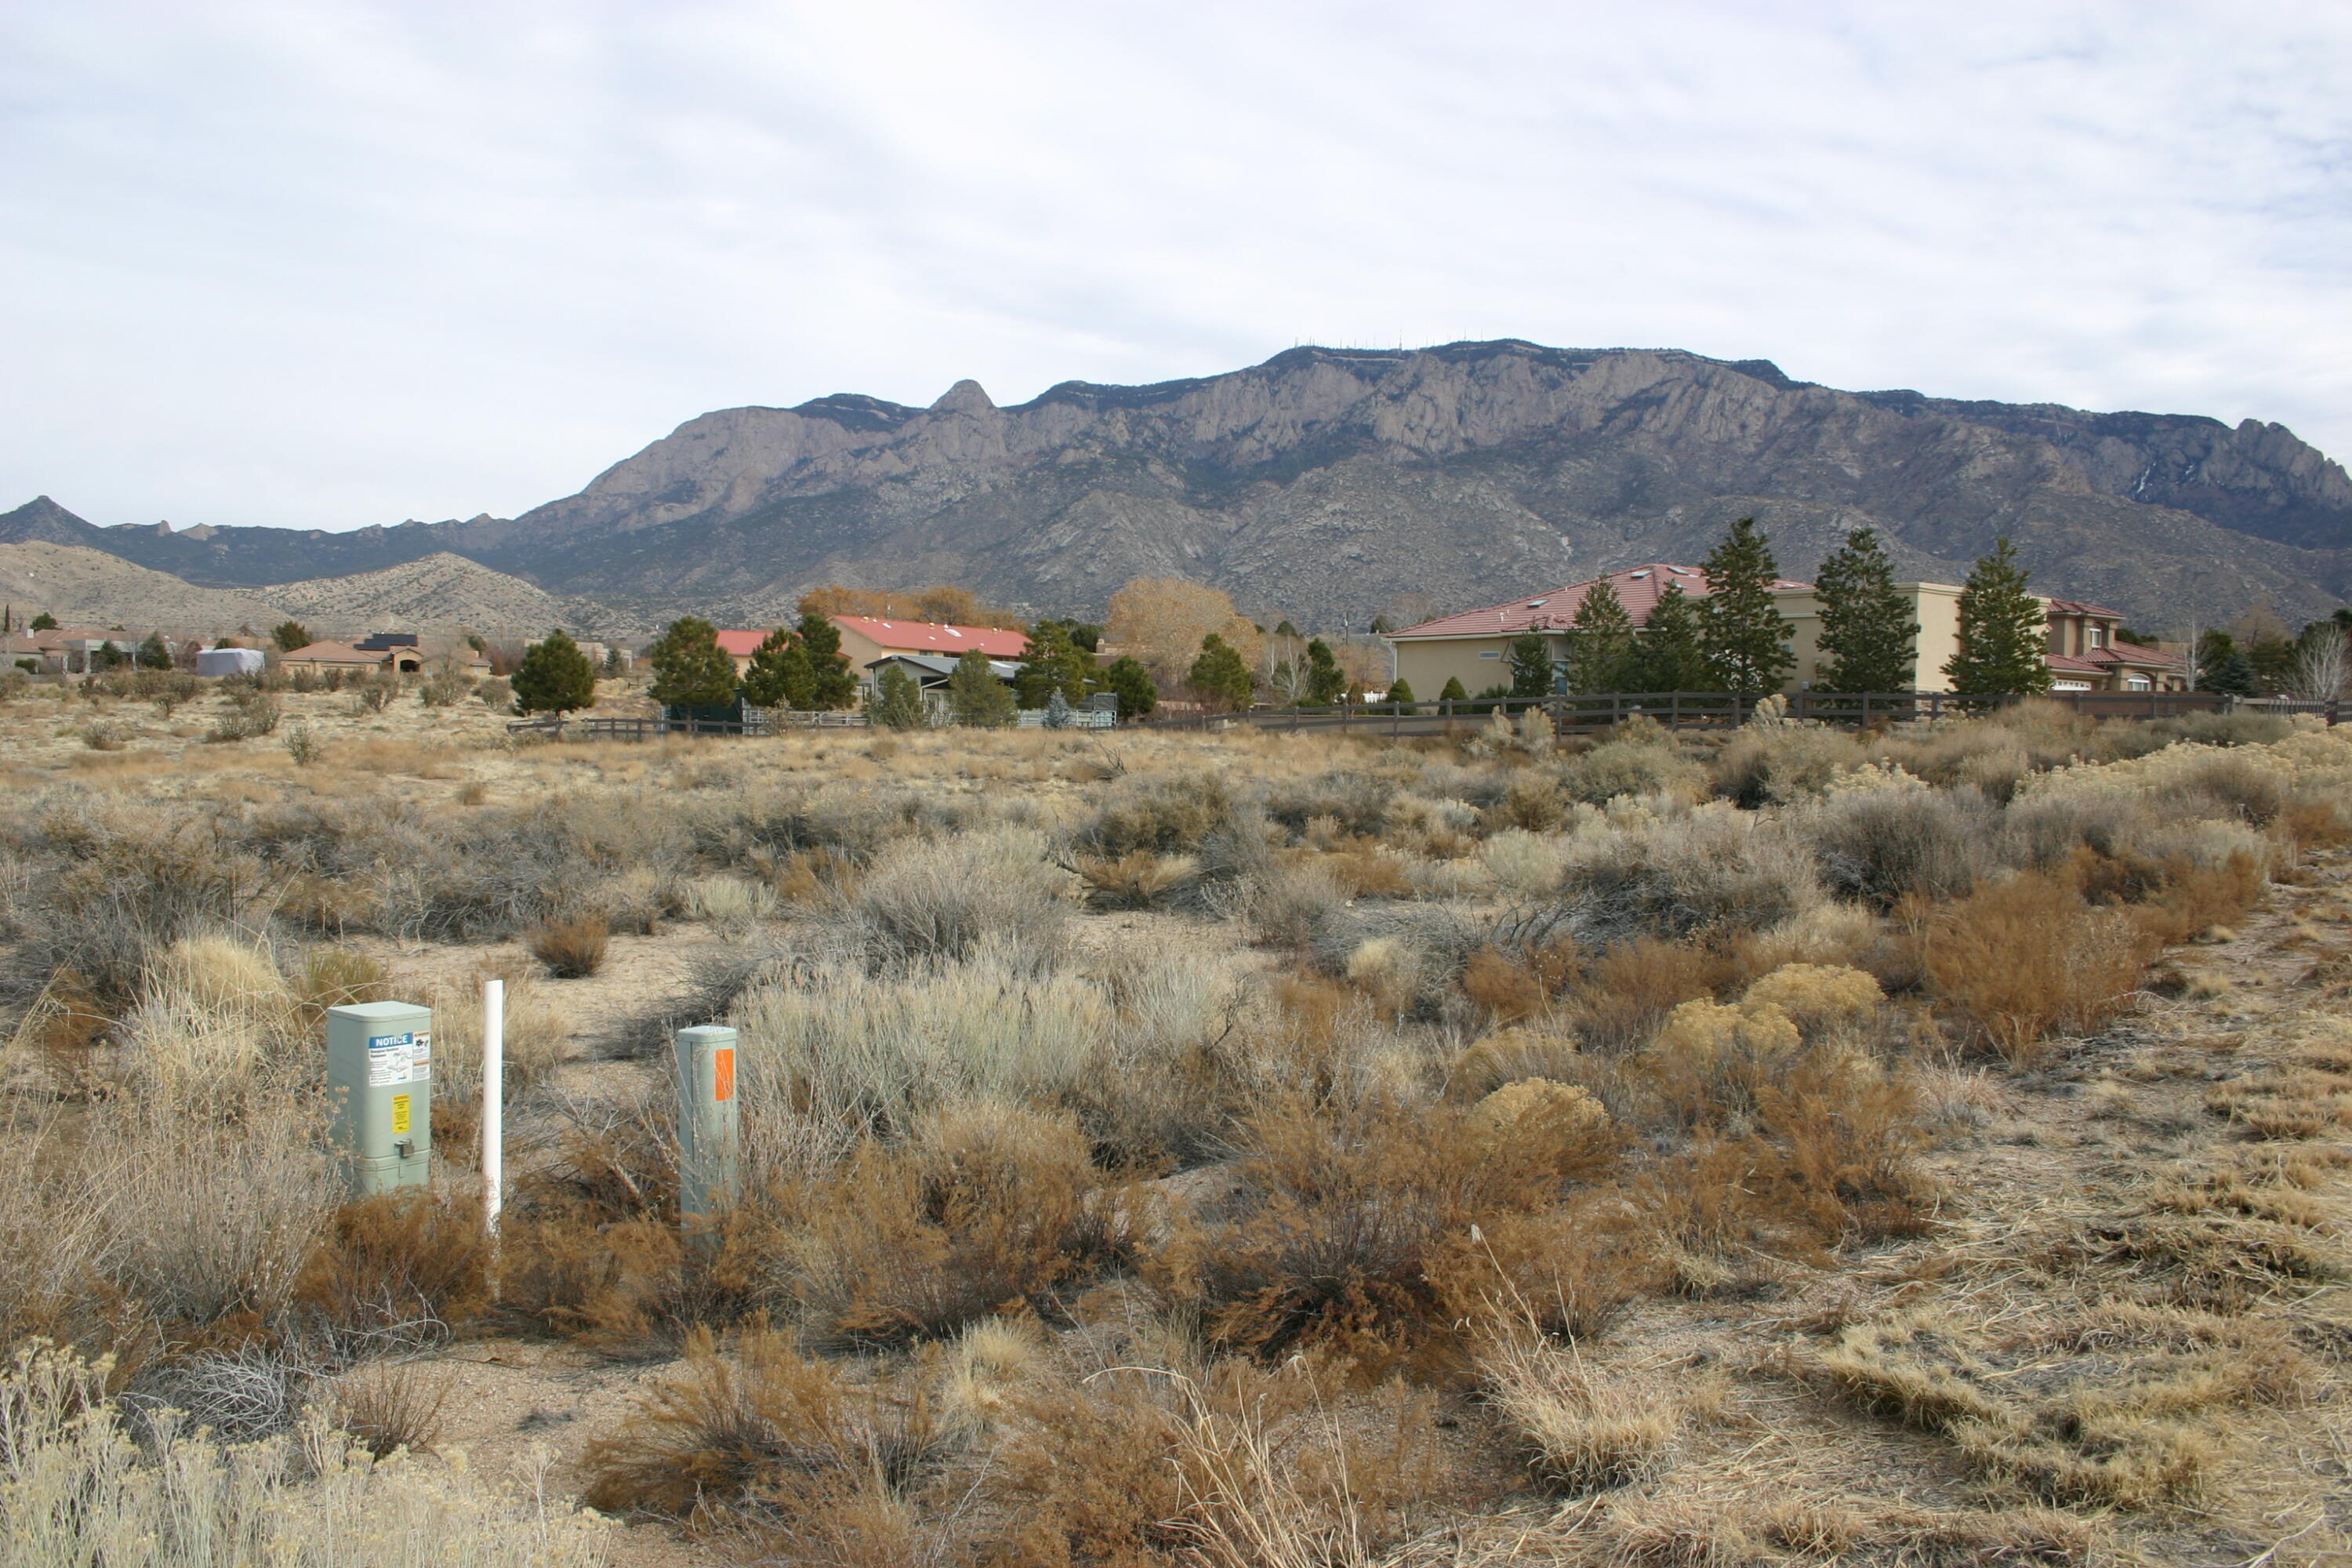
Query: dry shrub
point(1638, 759)
point(538, 1033)
point(1624, 995)
point(1717, 871)
point(984, 1210)
point(401, 1268)
point(386, 1406)
point(2192, 898)
point(1532, 801)
point(1568, 1272)
point(1138, 879)
point(787, 1439)
point(1509, 1055)
point(1286, 905)
point(2026, 956)
point(338, 977)
point(1157, 817)
point(1783, 763)
point(926, 900)
point(571, 949)
point(1518, 984)
point(1817, 997)
point(2125, 1409)
point(1346, 1207)
point(1877, 847)
point(1578, 1429)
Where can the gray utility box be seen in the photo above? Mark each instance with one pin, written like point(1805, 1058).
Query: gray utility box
point(379, 1081)
point(708, 1131)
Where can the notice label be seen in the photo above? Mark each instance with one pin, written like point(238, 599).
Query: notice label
point(722, 1075)
point(400, 1059)
point(399, 1113)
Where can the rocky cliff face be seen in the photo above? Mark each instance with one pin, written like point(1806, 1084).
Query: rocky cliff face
point(1332, 485)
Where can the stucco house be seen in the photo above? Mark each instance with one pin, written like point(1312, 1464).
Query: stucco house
point(867, 640)
point(1474, 646)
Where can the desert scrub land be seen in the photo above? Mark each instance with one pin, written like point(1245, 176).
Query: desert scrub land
point(1787, 1147)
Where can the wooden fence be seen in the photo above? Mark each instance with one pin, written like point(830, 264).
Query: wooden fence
point(1570, 715)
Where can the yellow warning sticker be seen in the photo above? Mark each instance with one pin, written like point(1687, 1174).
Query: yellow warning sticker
point(399, 1113)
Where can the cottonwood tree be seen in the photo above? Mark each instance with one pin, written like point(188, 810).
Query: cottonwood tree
point(1669, 654)
point(1601, 649)
point(691, 669)
point(2319, 664)
point(2005, 630)
point(1740, 628)
point(1868, 630)
point(556, 677)
point(780, 675)
point(975, 696)
point(1161, 620)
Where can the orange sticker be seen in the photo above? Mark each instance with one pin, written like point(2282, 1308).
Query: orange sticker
point(722, 1074)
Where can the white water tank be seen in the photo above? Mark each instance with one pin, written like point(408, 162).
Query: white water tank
point(229, 661)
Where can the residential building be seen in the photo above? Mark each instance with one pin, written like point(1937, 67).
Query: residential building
point(867, 640)
point(1474, 645)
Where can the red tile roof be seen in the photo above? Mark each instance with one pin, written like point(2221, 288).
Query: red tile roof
point(2077, 607)
point(920, 636)
point(1638, 588)
point(741, 644)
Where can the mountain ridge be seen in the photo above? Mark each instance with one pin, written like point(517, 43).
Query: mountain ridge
point(1336, 483)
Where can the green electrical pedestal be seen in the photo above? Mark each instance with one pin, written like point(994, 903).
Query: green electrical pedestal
point(380, 1080)
point(709, 1156)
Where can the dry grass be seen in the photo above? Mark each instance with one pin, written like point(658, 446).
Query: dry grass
point(2025, 957)
point(572, 949)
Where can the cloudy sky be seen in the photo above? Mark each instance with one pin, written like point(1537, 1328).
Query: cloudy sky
point(328, 265)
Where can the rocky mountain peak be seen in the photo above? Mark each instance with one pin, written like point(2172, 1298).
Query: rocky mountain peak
point(966, 397)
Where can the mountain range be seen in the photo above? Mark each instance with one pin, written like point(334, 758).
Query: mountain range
point(1331, 484)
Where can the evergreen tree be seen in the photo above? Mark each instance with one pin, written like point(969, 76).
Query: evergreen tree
point(1867, 632)
point(1601, 650)
point(1453, 690)
point(896, 704)
point(153, 654)
point(108, 656)
point(289, 635)
point(1326, 681)
point(691, 669)
point(43, 622)
point(1667, 655)
point(780, 675)
point(2005, 630)
point(975, 696)
point(1400, 694)
point(1532, 672)
point(2233, 674)
point(615, 665)
point(556, 677)
point(1740, 628)
point(1054, 663)
point(835, 684)
point(1131, 682)
point(1219, 676)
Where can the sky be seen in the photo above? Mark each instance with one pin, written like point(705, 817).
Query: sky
point(323, 265)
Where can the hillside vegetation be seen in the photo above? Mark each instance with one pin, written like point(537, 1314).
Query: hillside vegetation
point(1783, 1146)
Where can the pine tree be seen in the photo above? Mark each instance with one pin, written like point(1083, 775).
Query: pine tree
point(1128, 680)
point(1532, 672)
point(835, 684)
point(153, 654)
point(691, 669)
point(896, 704)
point(1453, 690)
point(780, 675)
point(1601, 650)
point(2005, 630)
point(1054, 663)
point(975, 696)
point(43, 622)
point(289, 635)
point(1400, 694)
point(1219, 676)
point(1740, 628)
point(1868, 634)
point(1326, 681)
point(1667, 655)
point(556, 677)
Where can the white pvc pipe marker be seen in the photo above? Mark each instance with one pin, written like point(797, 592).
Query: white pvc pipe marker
point(494, 1099)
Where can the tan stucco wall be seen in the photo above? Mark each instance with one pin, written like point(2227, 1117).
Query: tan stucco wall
point(1481, 662)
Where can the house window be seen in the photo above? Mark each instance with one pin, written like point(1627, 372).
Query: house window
point(1490, 654)
point(2098, 636)
point(2137, 683)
